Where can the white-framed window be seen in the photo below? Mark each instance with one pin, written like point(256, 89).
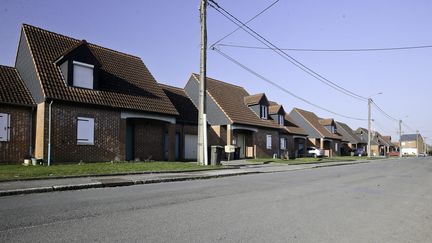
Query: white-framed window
point(283, 143)
point(336, 147)
point(264, 111)
point(4, 127)
point(281, 120)
point(83, 75)
point(85, 131)
point(269, 141)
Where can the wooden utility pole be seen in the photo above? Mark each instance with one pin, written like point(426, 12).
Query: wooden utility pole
point(202, 116)
point(369, 128)
point(400, 138)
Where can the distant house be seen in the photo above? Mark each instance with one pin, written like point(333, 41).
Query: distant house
point(252, 123)
point(16, 117)
point(380, 145)
point(322, 133)
point(99, 104)
point(350, 140)
point(186, 123)
point(412, 144)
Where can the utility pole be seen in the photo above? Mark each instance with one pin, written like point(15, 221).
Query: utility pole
point(400, 138)
point(202, 116)
point(369, 128)
point(417, 142)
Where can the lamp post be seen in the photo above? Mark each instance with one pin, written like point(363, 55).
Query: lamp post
point(400, 136)
point(369, 123)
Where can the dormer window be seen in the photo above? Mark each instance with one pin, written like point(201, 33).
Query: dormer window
point(281, 120)
point(83, 75)
point(333, 129)
point(264, 112)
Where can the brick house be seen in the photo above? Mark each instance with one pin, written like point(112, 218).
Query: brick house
point(412, 144)
point(322, 133)
point(350, 140)
point(380, 145)
point(93, 103)
point(250, 122)
point(186, 123)
point(16, 117)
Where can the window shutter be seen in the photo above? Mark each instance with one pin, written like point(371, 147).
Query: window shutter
point(4, 127)
point(85, 130)
point(282, 143)
point(269, 141)
point(83, 75)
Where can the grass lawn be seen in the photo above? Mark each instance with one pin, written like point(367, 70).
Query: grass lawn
point(307, 160)
point(10, 172)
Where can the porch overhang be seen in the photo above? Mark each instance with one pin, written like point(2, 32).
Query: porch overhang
point(128, 114)
point(240, 127)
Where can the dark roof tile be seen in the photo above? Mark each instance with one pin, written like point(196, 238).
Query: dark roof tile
point(13, 89)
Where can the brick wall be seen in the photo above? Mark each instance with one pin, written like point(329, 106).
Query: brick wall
point(149, 139)
point(64, 146)
point(18, 147)
point(259, 139)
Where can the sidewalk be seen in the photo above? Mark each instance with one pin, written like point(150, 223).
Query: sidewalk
point(240, 167)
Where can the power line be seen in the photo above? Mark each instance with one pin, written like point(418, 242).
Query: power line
point(383, 112)
point(280, 87)
point(330, 50)
point(283, 54)
point(254, 17)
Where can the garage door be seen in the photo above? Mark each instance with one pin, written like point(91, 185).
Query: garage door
point(191, 142)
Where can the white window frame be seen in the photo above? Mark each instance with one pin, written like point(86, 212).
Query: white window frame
point(268, 141)
point(85, 137)
point(82, 84)
point(336, 147)
point(6, 127)
point(264, 111)
point(283, 143)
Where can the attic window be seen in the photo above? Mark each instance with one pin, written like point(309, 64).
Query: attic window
point(281, 120)
point(263, 111)
point(83, 75)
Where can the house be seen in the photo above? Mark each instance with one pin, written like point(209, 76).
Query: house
point(250, 122)
point(412, 144)
point(379, 145)
point(93, 103)
point(350, 140)
point(322, 133)
point(16, 117)
point(186, 123)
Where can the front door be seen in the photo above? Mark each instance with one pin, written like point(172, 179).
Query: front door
point(241, 143)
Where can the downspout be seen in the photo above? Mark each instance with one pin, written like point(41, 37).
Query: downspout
point(49, 132)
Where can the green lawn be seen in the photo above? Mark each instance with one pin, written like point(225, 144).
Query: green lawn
point(308, 160)
point(10, 172)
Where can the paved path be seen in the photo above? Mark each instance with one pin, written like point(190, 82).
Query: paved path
point(383, 201)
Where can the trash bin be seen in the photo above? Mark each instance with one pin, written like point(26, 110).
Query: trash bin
point(237, 153)
point(216, 154)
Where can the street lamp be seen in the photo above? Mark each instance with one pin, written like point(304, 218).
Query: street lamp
point(369, 123)
point(400, 136)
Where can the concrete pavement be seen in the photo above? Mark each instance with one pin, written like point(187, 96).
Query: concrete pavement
point(239, 167)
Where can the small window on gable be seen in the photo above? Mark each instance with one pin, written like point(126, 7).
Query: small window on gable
point(85, 131)
point(4, 127)
point(269, 141)
point(264, 112)
point(281, 120)
point(83, 75)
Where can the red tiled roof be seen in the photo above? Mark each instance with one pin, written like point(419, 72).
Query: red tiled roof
point(185, 107)
point(129, 84)
point(231, 99)
point(314, 121)
point(13, 89)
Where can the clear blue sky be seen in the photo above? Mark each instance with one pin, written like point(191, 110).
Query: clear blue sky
point(165, 34)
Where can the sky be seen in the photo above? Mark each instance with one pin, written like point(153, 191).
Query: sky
point(166, 35)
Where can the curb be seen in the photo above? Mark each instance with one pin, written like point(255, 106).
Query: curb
point(119, 183)
point(122, 182)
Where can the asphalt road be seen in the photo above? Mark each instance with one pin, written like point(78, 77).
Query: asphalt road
point(384, 201)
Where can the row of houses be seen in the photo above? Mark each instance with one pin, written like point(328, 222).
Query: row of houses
point(67, 100)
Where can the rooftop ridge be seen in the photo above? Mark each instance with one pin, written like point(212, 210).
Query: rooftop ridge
point(78, 40)
point(220, 81)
